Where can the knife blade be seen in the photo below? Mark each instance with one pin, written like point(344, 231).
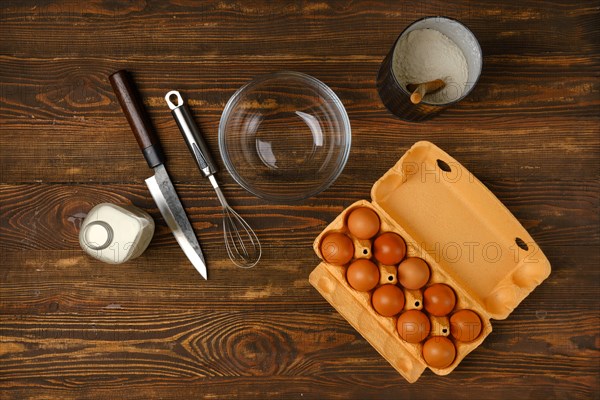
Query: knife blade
point(160, 185)
point(168, 203)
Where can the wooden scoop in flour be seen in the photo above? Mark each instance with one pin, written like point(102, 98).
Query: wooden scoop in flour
point(419, 90)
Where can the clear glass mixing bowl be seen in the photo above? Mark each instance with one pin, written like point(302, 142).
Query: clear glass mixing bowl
point(285, 136)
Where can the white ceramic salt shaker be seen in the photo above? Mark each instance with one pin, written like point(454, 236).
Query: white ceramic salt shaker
point(115, 234)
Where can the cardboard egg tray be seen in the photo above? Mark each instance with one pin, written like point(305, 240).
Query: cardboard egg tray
point(469, 239)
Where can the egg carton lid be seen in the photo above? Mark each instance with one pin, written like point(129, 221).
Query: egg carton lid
point(457, 220)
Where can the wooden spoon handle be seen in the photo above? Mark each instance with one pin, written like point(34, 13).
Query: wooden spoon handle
point(419, 90)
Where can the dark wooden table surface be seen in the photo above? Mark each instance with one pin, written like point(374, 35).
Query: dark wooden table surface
point(72, 327)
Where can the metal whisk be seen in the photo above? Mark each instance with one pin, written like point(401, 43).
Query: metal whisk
point(241, 242)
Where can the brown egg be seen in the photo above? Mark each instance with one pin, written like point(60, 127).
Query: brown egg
point(363, 223)
point(413, 273)
point(439, 352)
point(413, 326)
point(465, 325)
point(439, 299)
point(363, 275)
point(337, 248)
point(388, 300)
point(389, 248)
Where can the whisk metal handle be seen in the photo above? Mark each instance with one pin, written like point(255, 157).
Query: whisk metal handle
point(191, 134)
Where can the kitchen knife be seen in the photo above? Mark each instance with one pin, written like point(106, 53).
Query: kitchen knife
point(160, 185)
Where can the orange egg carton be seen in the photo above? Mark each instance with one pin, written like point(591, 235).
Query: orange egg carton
point(467, 236)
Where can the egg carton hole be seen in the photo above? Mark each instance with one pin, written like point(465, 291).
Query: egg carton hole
point(521, 243)
point(444, 166)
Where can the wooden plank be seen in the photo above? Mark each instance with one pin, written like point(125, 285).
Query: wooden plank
point(41, 216)
point(344, 386)
point(266, 27)
point(65, 157)
point(38, 282)
point(206, 350)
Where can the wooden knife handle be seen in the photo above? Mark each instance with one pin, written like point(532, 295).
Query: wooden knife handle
point(138, 119)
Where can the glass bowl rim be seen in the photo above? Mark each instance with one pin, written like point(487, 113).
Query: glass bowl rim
point(345, 128)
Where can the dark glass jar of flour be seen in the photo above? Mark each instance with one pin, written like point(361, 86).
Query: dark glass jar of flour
point(429, 49)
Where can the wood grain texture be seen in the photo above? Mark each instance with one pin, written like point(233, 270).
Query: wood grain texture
point(72, 101)
point(35, 211)
point(74, 328)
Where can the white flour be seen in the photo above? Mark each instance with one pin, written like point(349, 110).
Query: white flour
point(426, 54)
